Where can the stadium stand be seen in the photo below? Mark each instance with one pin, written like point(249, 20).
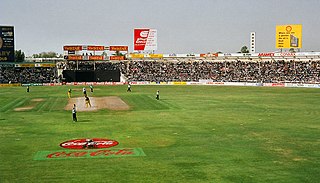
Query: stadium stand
point(224, 71)
point(266, 71)
point(28, 75)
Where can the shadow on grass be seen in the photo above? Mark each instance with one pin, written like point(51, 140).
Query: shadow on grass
point(83, 121)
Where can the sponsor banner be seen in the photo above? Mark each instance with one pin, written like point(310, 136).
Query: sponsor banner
point(195, 83)
point(307, 53)
point(74, 57)
point(169, 55)
point(72, 48)
point(178, 83)
point(118, 48)
point(95, 48)
point(188, 55)
point(9, 85)
point(285, 54)
point(156, 83)
point(100, 83)
point(289, 36)
point(71, 52)
point(215, 83)
point(6, 44)
point(51, 84)
point(274, 84)
point(91, 83)
point(32, 84)
point(35, 65)
point(24, 65)
point(298, 85)
point(80, 154)
point(205, 80)
point(45, 65)
point(117, 58)
point(234, 84)
point(140, 83)
point(234, 54)
point(145, 39)
point(156, 55)
point(268, 54)
point(96, 57)
point(252, 84)
point(209, 55)
point(80, 83)
point(136, 55)
point(95, 143)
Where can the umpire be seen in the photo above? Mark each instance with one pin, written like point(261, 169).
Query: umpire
point(74, 113)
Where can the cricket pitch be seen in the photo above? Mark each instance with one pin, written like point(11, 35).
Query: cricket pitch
point(97, 103)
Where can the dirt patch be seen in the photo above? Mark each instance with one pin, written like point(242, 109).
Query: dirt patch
point(111, 103)
point(37, 100)
point(26, 108)
point(34, 102)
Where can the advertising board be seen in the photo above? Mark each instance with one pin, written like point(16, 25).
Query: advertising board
point(145, 39)
point(289, 36)
point(118, 48)
point(6, 44)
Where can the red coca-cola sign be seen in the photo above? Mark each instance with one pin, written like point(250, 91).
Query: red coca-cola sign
point(94, 143)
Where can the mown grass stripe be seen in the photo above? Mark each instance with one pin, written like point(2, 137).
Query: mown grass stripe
point(47, 104)
point(54, 103)
point(18, 104)
point(8, 105)
point(41, 105)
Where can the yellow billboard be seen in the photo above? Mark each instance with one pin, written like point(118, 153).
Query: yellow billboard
point(137, 55)
point(156, 55)
point(289, 36)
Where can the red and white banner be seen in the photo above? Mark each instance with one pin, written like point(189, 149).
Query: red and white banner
point(145, 39)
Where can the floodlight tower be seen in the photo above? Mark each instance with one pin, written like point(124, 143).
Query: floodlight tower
point(252, 42)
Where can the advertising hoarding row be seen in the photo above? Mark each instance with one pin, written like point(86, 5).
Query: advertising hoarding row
point(94, 48)
point(84, 47)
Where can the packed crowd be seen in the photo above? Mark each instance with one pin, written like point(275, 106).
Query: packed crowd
point(28, 75)
point(166, 71)
point(226, 71)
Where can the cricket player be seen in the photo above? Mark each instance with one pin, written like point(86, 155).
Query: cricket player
point(74, 113)
point(28, 89)
point(91, 88)
point(129, 88)
point(69, 93)
point(158, 95)
point(84, 91)
point(87, 100)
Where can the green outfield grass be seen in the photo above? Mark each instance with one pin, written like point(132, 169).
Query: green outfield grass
point(192, 134)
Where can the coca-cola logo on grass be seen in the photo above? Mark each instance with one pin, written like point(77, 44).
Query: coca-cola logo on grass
point(94, 143)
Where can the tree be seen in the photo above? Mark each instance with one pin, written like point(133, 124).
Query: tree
point(244, 49)
point(49, 54)
point(291, 50)
point(19, 56)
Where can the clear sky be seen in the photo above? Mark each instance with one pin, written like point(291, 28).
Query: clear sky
point(184, 26)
